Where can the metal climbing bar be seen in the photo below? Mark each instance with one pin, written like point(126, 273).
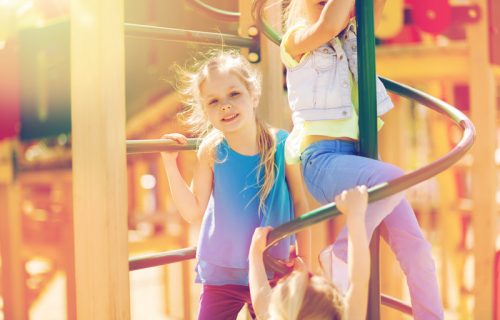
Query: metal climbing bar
point(264, 27)
point(191, 36)
point(397, 304)
point(366, 80)
point(368, 144)
point(159, 145)
point(161, 258)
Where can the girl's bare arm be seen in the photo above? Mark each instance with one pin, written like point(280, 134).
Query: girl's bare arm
point(260, 290)
point(190, 201)
point(332, 21)
point(353, 204)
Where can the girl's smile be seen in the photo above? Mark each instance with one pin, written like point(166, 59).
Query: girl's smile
point(230, 118)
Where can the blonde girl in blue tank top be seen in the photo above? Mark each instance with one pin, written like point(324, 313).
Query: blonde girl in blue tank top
point(320, 54)
point(241, 164)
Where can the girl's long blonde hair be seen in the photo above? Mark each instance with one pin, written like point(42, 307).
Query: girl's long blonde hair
point(299, 296)
point(195, 119)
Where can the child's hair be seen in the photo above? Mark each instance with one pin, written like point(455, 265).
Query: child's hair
point(299, 296)
point(195, 118)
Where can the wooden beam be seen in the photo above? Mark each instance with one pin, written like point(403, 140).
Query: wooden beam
point(13, 282)
point(496, 71)
point(273, 103)
point(99, 162)
point(414, 63)
point(484, 182)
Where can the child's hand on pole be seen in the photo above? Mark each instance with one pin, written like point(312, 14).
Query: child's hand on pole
point(171, 156)
point(353, 203)
point(259, 241)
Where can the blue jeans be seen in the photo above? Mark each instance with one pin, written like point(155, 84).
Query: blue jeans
point(331, 166)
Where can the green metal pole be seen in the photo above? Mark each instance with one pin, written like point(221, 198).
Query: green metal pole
point(368, 128)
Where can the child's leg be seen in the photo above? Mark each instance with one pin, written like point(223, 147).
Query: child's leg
point(414, 255)
point(326, 175)
point(222, 302)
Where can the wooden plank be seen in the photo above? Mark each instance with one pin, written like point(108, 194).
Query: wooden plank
point(246, 19)
point(273, 106)
point(13, 284)
point(452, 259)
point(394, 137)
point(414, 63)
point(484, 182)
point(99, 163)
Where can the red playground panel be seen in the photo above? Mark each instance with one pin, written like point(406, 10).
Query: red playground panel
point(432, 16)
point(9, 91)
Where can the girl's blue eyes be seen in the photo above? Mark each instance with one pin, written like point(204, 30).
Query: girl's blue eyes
point(231, 94)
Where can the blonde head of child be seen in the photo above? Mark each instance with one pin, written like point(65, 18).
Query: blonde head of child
point(301, 296)
point(222, 93)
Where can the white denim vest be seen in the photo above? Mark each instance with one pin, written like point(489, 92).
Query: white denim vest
point(319, 87)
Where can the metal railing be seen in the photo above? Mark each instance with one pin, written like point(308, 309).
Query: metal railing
point(181, 35)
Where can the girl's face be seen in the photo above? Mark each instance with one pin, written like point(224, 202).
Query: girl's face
point(228, 103)
point(313, 9)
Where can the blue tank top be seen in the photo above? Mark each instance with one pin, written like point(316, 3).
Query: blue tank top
point(228, 226)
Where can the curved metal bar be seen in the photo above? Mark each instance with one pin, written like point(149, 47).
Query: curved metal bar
point(394, 186)
point(396, 304)
point(159, 145)
point(181, 35)
point(161, 258)
point(264, 27)
point(213, 12)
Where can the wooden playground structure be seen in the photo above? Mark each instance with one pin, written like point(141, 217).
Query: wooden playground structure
point(74, 205)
